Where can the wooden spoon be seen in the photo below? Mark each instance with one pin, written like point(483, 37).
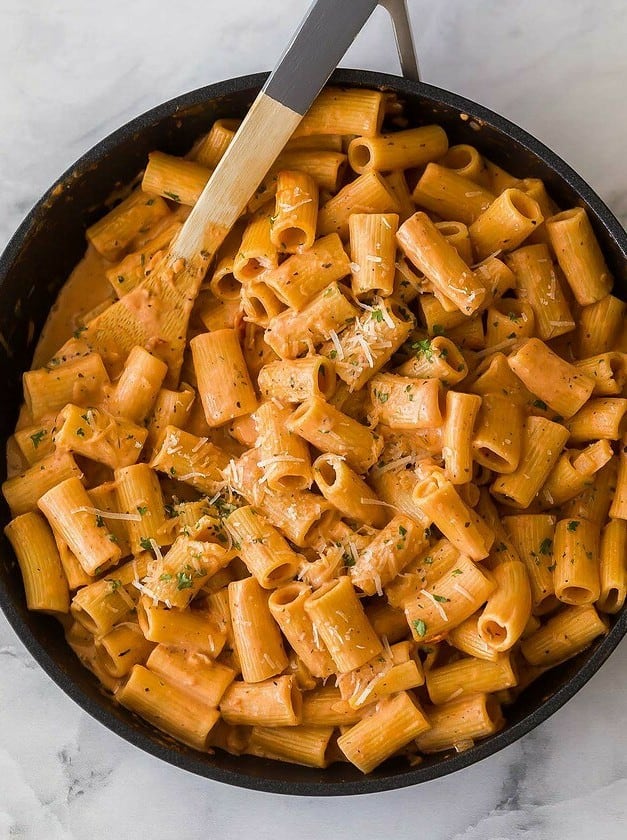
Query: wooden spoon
point(155, 314)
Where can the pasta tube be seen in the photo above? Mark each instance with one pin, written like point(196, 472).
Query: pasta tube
point(330, 431)
point(563, 387)
point(453, 197)
point(388, 554)
point(349, 493)
point(395, 722)
point(264, 550)
point(539, 283)
point(460, 721)
point(256, 636)
point(542, 443)
point(576, 549)
point(579, 255)
point(368, 193)
point(293, 226)
point(68, 509)
point(613, 569)
point(448, 601)
point(284, 456)
point(413, 147)
point(469, 676)
point(437, 498)
point(168, 707)
point(438, 260)
point(505, 224)
point(564, 635)
point(274, 702)
point(223, 380)
point(457, 435)
point(508, 609)
point(497, 436)
point(373, 251)
point(340, 621)
point(296, 380)
point(404, 402)
point(44, 581)
point(287, 605)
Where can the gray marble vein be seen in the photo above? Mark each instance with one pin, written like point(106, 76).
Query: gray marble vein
point(71, 71)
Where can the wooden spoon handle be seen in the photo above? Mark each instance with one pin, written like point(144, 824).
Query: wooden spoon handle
point(323, 37)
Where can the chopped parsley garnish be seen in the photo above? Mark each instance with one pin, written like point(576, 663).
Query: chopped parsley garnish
point(441, 599)
point(377, 315)
point(402, 531)
point(456, 572)
point(420, 627)
point(572, 525)
point(114, 584)
point(172, 195)
point(546, 546)
point(539, 404)
point(145, 543)
point(78, 332)
point(184, 580)
point(165, 576)
point(383, 398)
point(112, 538)
point(80, 432)
point(348, 559)
point(423, 346)
point(428, 560)
point(333, 354)
point(170, 512)
point(142, 510)
point(38, 437)
point(99, 521)
point(438, 329)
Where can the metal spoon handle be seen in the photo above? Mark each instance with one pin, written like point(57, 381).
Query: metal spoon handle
point(328, 29)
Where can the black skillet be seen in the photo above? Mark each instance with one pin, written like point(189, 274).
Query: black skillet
point(51, 240)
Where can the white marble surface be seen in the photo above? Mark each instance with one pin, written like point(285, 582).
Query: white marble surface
point(73, 70)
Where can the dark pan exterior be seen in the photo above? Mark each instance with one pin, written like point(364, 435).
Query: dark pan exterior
point(41, 255)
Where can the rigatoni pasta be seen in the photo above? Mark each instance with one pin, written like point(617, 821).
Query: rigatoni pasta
point(386, 465)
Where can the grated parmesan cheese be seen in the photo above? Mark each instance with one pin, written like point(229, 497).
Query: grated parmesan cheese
point(435, 603)
point(336, 344)
point(109, 514)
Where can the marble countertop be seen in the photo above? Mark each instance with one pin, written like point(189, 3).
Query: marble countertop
point(71, 71)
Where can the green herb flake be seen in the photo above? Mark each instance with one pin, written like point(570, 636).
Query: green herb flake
point(80, 432)
point(142, 510)
point(99, 521)
point(438, 329)
point(145, 543)
point(38, 437)
point(402, 531)
point(184, 580)
point(172, 195)
point(428, 560)
point(546, 546)
point(114, 584)
point(78, 332)
point(441, 599)
point(423, 346)
point(456, 572)
point(377, 315)
point(539, 404)
point(112, 538)
point(165, 576)
point(333, 354)
point(420, 627)
point(573, 525)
